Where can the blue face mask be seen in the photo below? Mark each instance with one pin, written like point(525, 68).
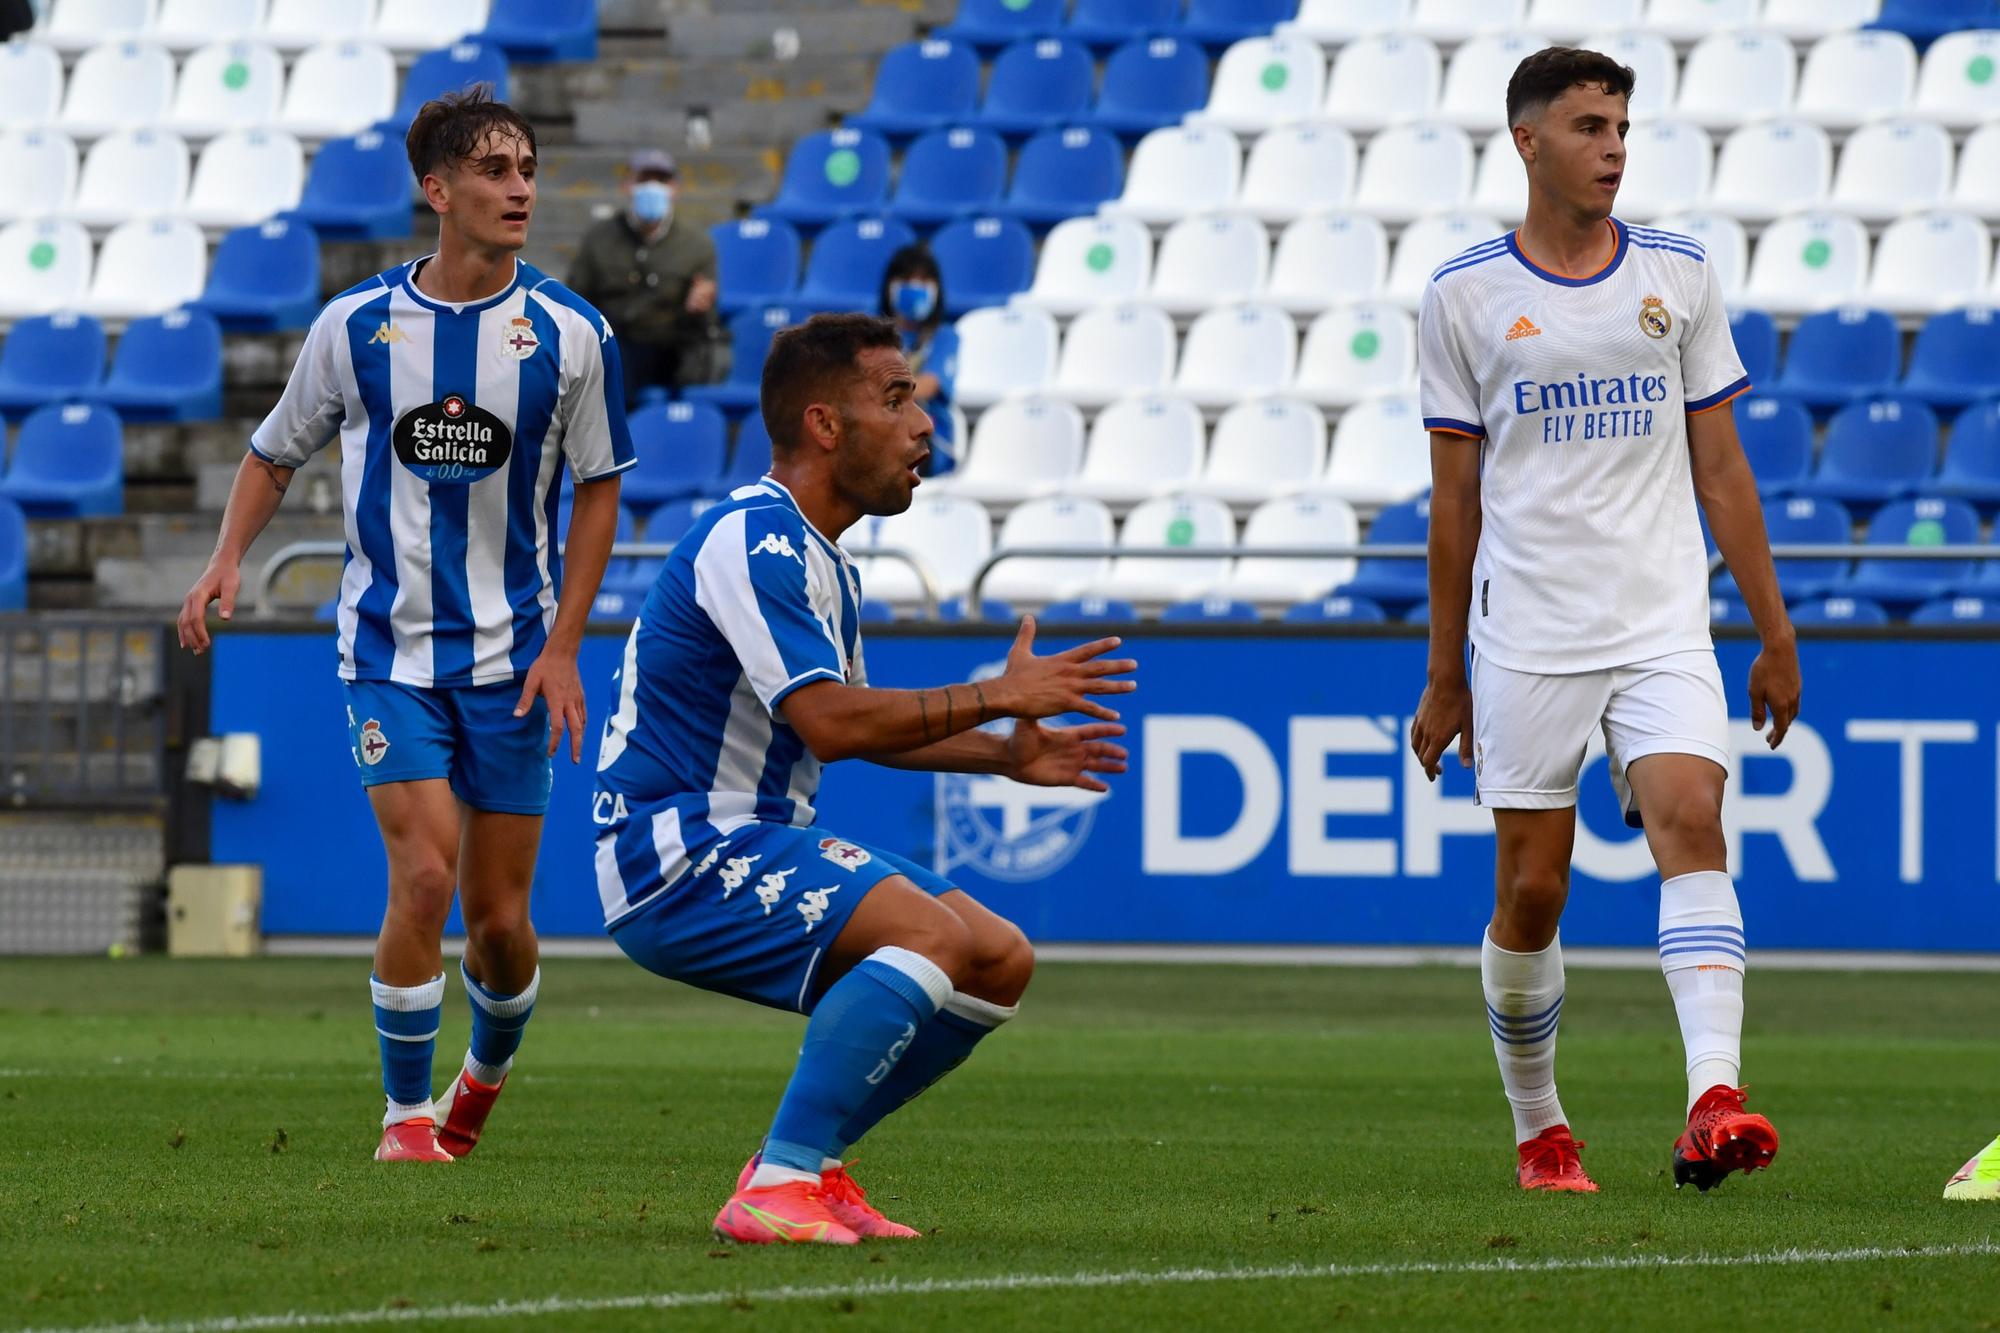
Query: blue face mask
point(652, 202)
point(913, 300)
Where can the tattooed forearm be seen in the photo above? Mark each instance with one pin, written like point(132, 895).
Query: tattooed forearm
point(982, 702)
point(924, 709)
point(949, 729)
point(280, 477)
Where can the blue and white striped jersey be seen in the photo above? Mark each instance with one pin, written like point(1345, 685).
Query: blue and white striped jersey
point(753, 603)
point(454, 421)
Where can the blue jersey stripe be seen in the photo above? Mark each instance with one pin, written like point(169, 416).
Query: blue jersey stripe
point(1675, 249)
point(535, 407)
point(454, 370)
point(374, 644)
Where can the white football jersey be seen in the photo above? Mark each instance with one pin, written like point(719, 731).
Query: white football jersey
point(1578, 391)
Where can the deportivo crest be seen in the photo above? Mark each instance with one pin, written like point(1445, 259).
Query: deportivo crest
point(518, 339)
point(844, 854)
point(373, 743)
point(1654, 321)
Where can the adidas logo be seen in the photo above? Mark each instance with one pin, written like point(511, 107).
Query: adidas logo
point(1523, 328)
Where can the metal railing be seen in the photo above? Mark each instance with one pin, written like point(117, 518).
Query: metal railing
point(975, 600)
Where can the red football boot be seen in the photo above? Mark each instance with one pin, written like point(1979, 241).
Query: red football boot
point(794, 1213)
point(465, 1106)
point(410, 1141)
point(1549, 1161)
point(1722, 1137)
point(846, 1200)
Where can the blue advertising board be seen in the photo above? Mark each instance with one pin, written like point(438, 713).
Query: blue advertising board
point(1272, 799)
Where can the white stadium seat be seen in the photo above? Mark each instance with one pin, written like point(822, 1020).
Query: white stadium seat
point(44, 266)
point(1328, 258)
point(1500, 185)
point(1851, 78)
point(31, 83)
point(1957, 83)
point(1381, 453)
point(228, 86)
point(1930, 262)
point(337, 89)
point(411, 26)
point(1734, 77)
point(1807, 262)
point(1263, 447)
point(40, 168)
point(1298, 169)
point(950, 534)
point(1656, 70)
point(1335, 22)
point(1191, 522)
point(1295, 521)
point(1668, 168)
point(1263, 82)
point(1772, 168)
point(294, 25)
point(1210, 260)
point(1428, 242)
point(119, 85)
point(1727, 244)
point(131, 174)
point(184, 25)
point(1238, 351)
point(1003, 350)
point(1053, 521)
point(77, 25)
point(1570, 21)
point(147, 267)
point(1021, 448)
point(1475, 84)
point(246, 176)
point(1355, 352)
point(1451, 21)
point(1140, 447)
point(1893, 167)
point(1383, 80)
point(1112, 350)
point(1180, 170)
point(1411, 170)
point(1977, 189)
point(1804, 20)
point(1691, 20)
point(1088, 261)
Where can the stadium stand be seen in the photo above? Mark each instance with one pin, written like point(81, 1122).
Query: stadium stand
point(985, 261)
point(921, 86)
point(847, 264)
point(68, 462)
point(682, 449)
point(757, 261)
point(264, 278)
point(48, 359)
point(539, 32)
point(358, 189)
point(989, 25)
point(168, 368)
point(1874, 452)
point(1836, 356)
point(1036, 82)
point(948, 173)
point(1062, 172)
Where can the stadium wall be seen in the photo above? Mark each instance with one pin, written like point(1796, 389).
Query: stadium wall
point(1272, 799)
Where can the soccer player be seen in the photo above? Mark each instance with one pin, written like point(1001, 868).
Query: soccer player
point(1575, 381)
point(459, 385)
point(742, 676)
point(1979, 1179)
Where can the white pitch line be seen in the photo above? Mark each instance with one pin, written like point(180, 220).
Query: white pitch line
point(685, 1300)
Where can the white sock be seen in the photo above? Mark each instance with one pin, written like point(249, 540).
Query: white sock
point(1701, 953)
point(767, 1175)
point(482, 1072)
point(398, 1112)
point(1524, 993)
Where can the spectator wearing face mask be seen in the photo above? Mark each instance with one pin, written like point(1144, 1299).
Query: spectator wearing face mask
point(913, 296)
point(652, 274)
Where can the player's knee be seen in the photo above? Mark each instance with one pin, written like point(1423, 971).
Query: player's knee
point(1006, 964)
point(494, 929)
point(944, 939)
point(1689, 819)
point(422, 889)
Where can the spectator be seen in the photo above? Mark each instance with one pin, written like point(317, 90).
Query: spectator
point(653, 277)
point(913, 296)
point(16, 16)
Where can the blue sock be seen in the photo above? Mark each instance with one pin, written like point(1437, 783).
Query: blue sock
point(406, 1026)
point(941, 1046)
point(498, 1022)
point(861, 1028)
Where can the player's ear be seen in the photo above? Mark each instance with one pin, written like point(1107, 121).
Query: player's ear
point(823, 425)
point(1524, 140)
point(436, 193)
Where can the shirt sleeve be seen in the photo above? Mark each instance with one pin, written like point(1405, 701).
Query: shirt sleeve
point(309, 413)
point(596, 438)
point(1711, 371)
point(750, 577)
point(1447, 393)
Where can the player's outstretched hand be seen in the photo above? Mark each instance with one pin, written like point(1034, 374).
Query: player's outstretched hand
point(1036, 687)
point(1065, 756)
point(218, 583)
point(554, 677)
point(1774, 690)
point(1445, 711)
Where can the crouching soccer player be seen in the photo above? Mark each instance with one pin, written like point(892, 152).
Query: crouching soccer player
point(741, 677)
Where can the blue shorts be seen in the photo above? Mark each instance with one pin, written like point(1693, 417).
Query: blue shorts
point(756, 913)
point(494, 760)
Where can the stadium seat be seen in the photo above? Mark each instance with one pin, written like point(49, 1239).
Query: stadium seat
point(1383, 80)
point(1429, 242)
point(1449, 22)
point(1337, 610)
point(1728, 611)
point(1807, 262)
point(1208, 261)
point(1955, 85)
point(1756, 337)
point(1003, 351)
point(991, 609)
point(1800, 521)
point(73, 26)
point(1393, 583)
point(950, 534)
point(673, 520)
point(1772, 168)
point(1925, 522)
point(339, 89)
point(983, 261)
point(756, 262)
point(682, 449)
point(620, 570)
point(1112, 350)
point(1893, 167)
point(1177, 172)
point(410, 26)
point(1148, 84)
point(246, 176)
point(48, 359)
point(1655, 68)
point(921, 86)
point(1569, 22)
point(1925, 21)
point(1295, 521)
point(1692, 20)
point(1088, 261)
point(1955, 360)
point(1733, 77)
point(1851, 78)
point(1295, 170)
point(147, 267)
point(68, 462)
point(1088, 611)
point(1413, 170)
point(1777, 439)
point(44, 266)
point(1930, 262)
point(1474, 94)
point(40, 168)
point(119, 85)
point(1805, 20)
point(1839, 355)
point(1725, 241)
point(1874, 452)
point(1336, 22)
point(1499, 182)
point(1381, 453)
point(13, 557)
point(265, 278)
point(989, 25)
point(750, 457)
point(1238, 351)
point(1825, 611)
point(168, 368)
point(131, 173)
point(31, 84)
point(847, 264)
point(1212, 610)
point(1264, 82)
point(1142, 446)
point(1036, 83)
point(750, 334)
point(1104, 24)
point(1668, 169)
point(1219, 23)
point(1063, 172)
point(295, 25)
point(1958, 611)
point(1971, 467)
point(1976, 186)
point(1355, 351)
point(1053, 521)
point(1325, 259)
point(1263, 447)
point(541, 32)
point(358, 189)
point(949, 173)
point(448, 69)
point(1179, 522)
point(229, 85)
point(1022, 448)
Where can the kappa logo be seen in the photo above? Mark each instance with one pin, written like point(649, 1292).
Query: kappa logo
point(707, 863)
point(1523, 328)
point(373, 743)
point(734, 871)
point(777, 543)
point(812, 906)
point(387, 332)
point(772, 887)
point(844, 854)
point(518, 341)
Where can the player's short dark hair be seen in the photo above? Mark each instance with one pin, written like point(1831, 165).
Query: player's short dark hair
point(1554, 70)
point(811, 363)
point(449, 129)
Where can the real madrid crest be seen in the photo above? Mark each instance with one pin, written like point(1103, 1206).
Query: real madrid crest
point(1654, 321)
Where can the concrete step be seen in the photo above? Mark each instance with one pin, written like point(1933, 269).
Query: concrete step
point(738, 33)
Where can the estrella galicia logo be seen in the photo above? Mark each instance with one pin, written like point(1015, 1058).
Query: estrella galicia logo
point(452, 441)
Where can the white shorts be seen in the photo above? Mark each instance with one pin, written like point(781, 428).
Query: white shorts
point(1530, 731)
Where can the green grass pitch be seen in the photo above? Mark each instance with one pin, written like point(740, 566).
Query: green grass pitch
point(1146, 1147)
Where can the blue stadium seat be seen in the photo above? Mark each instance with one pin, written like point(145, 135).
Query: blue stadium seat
point(1839, 611)
point(1217, 23)
point(1756, 336)
point(1958, 611)
point(68, 463)
point(449, 69)
point(950, 173)
point(756, 262)
point(752, 458)
point(1061, 173)
point(13, 556)
point(1211, 610)
point(985, 261)
point(1107, 23)
point(1086, 610)
point(830, 175)
point(1394, 583)
point(1728, 611)
point(1336, 611)
point(1036, 84)
point(1956, 359)
point(847, 264)
point(358, 189)
point(1800, 521)
point(541, 32)
point(1923, 522)
point(1420, 614)
point(1875, 451)
point(1971, 469)
point(1924, 21)
point(672, 520)
point(952, 611)
point(168, 368)
point(921, 86)
point(682, 448)
point(992, 24)
point(265, 278)
point(619, 601)
point(47, 359)
point(1837, 356)
point(1777, 439)
point(620, 568)
point(875, 612)
point(750, 334)
point(1150, 83)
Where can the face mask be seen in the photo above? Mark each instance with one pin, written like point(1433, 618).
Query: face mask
point(913, 300)
point(652, 201)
